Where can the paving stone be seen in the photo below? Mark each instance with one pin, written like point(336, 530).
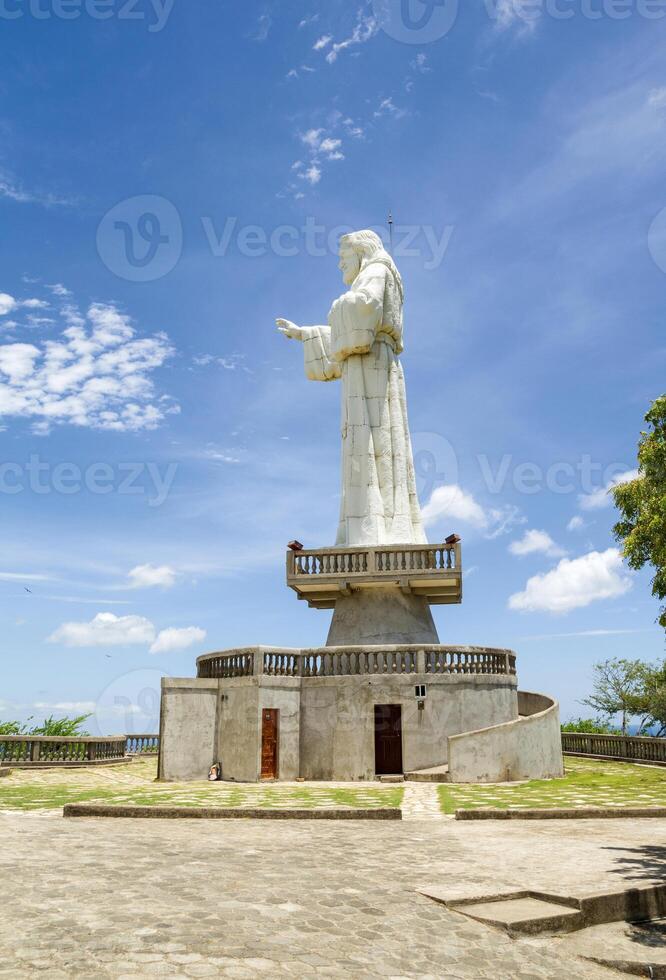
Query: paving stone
point(236, 900)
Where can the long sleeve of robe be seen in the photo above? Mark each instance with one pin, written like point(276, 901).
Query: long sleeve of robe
point(360, 346)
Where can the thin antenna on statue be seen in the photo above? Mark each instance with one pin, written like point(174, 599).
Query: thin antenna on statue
point(390, 224)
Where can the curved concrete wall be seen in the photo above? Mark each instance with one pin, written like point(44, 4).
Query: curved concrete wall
point(528, 748)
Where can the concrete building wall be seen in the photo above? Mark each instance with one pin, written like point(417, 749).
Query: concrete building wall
point(528, 748)
point(337, 718)
point(188, 722)
point(284, 694)
point(239, 729)
point(326, 728)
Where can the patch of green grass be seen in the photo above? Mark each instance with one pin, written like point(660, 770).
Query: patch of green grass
point(587, 782)
point(49, 797)
point(134, 785)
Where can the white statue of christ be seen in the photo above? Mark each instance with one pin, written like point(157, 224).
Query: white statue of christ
point(360, 346)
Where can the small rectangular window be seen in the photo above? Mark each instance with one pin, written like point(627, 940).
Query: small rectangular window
point(419, 691)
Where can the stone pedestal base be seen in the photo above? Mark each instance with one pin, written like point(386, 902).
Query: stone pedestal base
point(381, 615)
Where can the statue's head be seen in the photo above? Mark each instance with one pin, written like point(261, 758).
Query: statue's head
point(356, 250)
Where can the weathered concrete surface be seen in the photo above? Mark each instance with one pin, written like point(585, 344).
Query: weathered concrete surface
point(381, 615)
point(326, 728)
point(188, 722)
point(638, 948)
point(565, 813)
point(337, 721)
point(122, 811)
point(527, 748)
point(246, 899)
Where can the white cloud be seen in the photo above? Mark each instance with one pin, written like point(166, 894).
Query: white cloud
point(330, 147)
point(353, 128)
point(536, 542)
point(420, 63)
point(106, 629)
point(177, 639)
point(312, 138)
point(584, 633)
point(35, 304)
point(574, 583)
point(22, 577)
point(452, 503)
point(7, 304)
point(264, 24)
point(322, 42)
point(514, 13)
point(388, 108)
point(312, 174)
point(96, 375)
point(602, 498)
point(10, 189)
point(366, 28)
point(149, 576)
point(576, 523)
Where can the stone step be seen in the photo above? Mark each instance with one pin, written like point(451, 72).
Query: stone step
point(438, 774)
point(397, 778)
point(524, 915)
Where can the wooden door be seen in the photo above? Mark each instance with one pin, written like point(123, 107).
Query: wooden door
point(388, 739)
point(269, 743)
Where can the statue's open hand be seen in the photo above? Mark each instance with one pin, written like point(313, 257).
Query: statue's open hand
point(290, 329)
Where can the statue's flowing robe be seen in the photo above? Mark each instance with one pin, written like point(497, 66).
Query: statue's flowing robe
point(361, 345)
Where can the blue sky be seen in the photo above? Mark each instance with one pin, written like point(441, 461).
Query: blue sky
point(173, 177)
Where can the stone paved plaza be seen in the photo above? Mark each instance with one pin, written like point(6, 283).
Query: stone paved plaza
point(120, 898)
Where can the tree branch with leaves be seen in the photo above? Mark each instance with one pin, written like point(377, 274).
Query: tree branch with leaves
point(642, 504)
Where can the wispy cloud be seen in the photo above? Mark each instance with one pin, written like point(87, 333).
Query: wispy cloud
point(366, 28)
point(451, 503)
point(388, 108)
point(263, 27)
point(151, 576)
point(602, 497)
point(13, 191)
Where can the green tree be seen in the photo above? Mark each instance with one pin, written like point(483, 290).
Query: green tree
point(653, 699)
point(64, 727)
point(642, 504)
point(11, 728)
point(618, 689)
point(590, 726)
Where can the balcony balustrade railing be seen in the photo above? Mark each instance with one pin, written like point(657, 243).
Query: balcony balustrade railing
point(632, 748)
point(47, 749)
point(346, 661)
